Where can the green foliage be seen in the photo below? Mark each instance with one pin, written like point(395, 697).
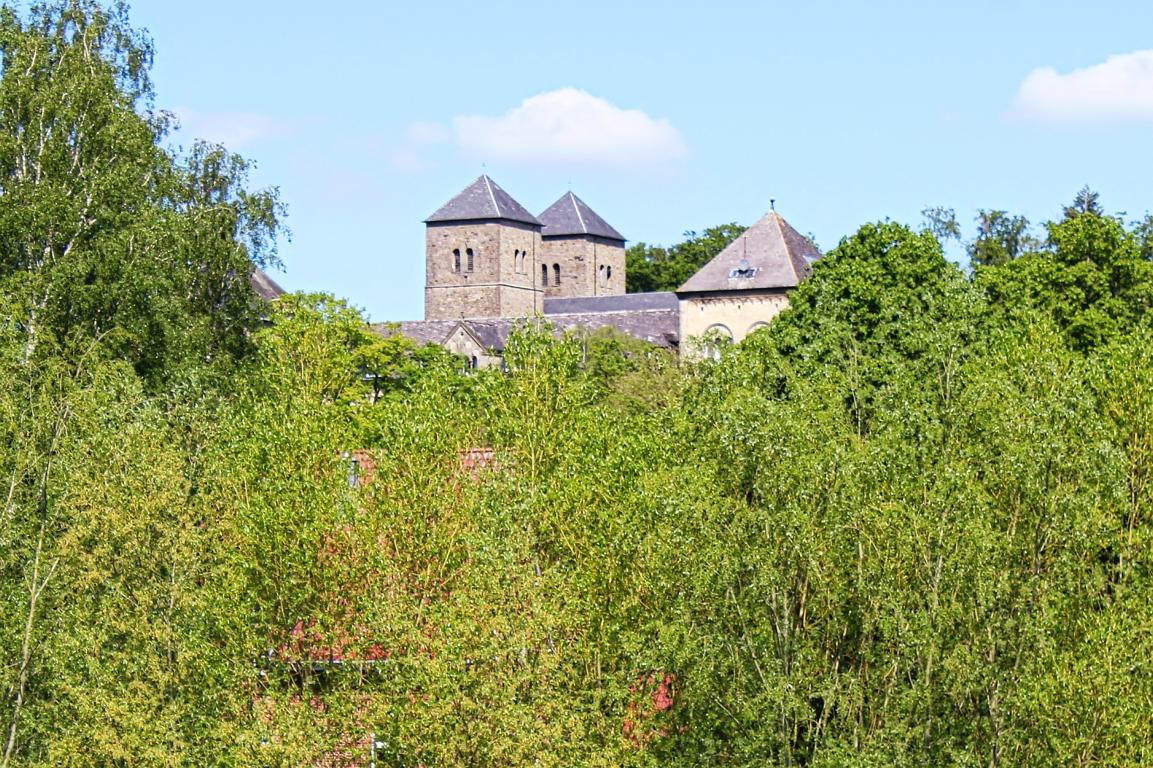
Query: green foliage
point(1000, 239)
point(1093, 280)
point(907, 524)
point(659, 268)
point(103, 232)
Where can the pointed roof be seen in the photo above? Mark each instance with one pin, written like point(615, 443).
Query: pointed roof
point(770, 254)
point(263, 285)
point(483, 199)
point(571, 216)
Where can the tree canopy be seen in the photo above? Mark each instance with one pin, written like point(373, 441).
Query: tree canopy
point(659, 268)
point(909, 523)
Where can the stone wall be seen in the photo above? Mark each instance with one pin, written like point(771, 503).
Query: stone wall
point(500, 281)
point(589, 266)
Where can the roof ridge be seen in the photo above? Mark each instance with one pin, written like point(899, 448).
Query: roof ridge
point(491, 196)
point(784, 239)
point(576, 207)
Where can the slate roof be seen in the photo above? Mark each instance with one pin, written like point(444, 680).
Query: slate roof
point(483, 199)
point(656, 326)
point(264, 286)
point(628, 302)
point(572, 216)
point(770, 254)
point(491, 333)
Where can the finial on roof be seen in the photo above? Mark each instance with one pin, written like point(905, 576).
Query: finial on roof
point(772, 204)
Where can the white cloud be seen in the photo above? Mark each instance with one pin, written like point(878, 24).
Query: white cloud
point(570, 125)
point(1120, 88)
point(235, 130)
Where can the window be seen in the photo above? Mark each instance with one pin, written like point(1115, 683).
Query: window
point(743, 271)
point(456, 260)
point(470, 259)
point(518, 259)
point(544, 274)
point(715, 339)
point(556, 274)
point(601, 280)
point(608, 276)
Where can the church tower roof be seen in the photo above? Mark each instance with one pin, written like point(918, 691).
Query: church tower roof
point(770, 254)
point(572, 216)
point(483, 199)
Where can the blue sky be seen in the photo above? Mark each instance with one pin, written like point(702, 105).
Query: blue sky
point(663, 116)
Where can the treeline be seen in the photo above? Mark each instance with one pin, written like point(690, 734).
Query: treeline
point(907, 524)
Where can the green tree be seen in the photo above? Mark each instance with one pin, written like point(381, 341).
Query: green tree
point(659, 268)
point(1000, 239)
point(104, 233)
point(1092, 279)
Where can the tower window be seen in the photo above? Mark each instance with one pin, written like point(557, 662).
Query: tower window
point(601, 280)
point(556, 274)
point(519, 261)
point(468, 252)
point(608, 275)
point(456, 260)
point(544, 274)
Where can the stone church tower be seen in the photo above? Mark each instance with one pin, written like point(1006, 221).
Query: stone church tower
point(482, 257)
point(581, 255)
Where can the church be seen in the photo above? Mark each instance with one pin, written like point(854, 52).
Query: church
point(490, 263)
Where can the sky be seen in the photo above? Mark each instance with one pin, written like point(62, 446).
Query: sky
point(664, 117)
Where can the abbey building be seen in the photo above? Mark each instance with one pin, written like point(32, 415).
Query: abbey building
point(490, 263)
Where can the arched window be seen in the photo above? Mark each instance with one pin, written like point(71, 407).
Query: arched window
point(468, 252)
point(720, 330)
point(757, 326)
point(716, 338)
point(601, 279)
point(518, 260)
point(556, 274)
point(544, 274)
point(608, 276)
point(456, 260)
point(474, 363)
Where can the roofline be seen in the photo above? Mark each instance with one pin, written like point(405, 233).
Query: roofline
point(582, 236)
point(736, 293)
point(489, 220)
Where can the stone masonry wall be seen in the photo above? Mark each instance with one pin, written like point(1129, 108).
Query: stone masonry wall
point(584, 267)
point(500, 283)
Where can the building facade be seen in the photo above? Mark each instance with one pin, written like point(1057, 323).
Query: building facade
point(490, 264)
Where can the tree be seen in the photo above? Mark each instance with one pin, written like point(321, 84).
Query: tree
point(1086, 201)
point(657, 268)
point(104, 233)
point(1000, 239)
point(942, 222)
point(1092, 278)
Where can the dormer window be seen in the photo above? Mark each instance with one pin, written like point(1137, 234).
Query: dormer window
point(742, 271)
